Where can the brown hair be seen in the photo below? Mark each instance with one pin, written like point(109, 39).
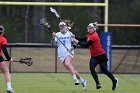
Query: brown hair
point(68, 23)
point(1, 33)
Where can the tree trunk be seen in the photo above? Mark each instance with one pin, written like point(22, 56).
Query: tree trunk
point(35, 32)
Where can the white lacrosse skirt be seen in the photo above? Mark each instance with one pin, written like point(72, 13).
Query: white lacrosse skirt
point(66, 39)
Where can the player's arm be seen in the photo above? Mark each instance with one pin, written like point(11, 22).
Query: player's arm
point(81, 39)
point(54, 42)
point(87, 44)
point(4, 49)
point(74, 44)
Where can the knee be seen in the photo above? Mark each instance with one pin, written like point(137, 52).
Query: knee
point(106, 72)
point(5, 70)
point(67, 64)
point(92, 68)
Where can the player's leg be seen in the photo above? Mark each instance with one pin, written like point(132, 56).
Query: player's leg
point(104, 69)
point(70, 68)
point(83, 81)
point(93, 63)
point(7, 75)
point(78, 76)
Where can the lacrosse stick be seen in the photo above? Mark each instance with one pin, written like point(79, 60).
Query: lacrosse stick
point(45, 23)
point(28, 61)
point(57, 15)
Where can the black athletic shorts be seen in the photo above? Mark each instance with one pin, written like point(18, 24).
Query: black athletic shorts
point(1, 59)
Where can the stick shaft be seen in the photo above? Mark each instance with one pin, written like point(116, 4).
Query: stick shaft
point(58, 16)
point(61, 42)
point(14, 60)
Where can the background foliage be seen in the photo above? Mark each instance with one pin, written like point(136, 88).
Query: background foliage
point(22, 22)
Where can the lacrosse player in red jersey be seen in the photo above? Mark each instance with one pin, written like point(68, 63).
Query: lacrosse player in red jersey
point(3, 66)
point(98, 55)
point(66, 52)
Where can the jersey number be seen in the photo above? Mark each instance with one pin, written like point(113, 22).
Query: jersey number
point(64, 42)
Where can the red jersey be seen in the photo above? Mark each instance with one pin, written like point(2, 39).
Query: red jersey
point(96, 48)
point(2, 42)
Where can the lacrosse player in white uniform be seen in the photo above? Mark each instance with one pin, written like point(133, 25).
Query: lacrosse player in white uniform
point(66, 52)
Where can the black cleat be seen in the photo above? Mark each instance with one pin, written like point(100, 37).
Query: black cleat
point(8, 91)
point(98, 86)
point(76, 82)
point(115, 84)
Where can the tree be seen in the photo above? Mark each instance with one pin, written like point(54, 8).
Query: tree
point(35, 33)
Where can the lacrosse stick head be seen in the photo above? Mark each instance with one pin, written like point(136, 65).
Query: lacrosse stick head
point(28, 61)
point(45, 23)
point(55, 12)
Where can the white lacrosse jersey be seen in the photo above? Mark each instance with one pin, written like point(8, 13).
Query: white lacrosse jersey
point(66, 39)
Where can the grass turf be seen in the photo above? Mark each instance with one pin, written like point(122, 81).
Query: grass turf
point(63, 83)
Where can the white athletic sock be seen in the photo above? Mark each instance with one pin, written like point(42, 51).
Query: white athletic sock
point(74, 77)
point(9, 85)
point(81, 79)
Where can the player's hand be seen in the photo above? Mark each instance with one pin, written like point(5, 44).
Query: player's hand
point(54, 34)
point(11, 60)
point(76, 41)
point(72, 35)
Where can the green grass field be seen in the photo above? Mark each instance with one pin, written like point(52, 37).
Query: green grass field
point(63, 83)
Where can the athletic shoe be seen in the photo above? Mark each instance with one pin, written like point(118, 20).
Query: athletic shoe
point(98, 86)
point(76, 82)
point(84, 84)
point(10, 91)
point(115, 84)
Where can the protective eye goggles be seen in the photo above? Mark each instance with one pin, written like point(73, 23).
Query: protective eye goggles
point(89, 27)
point(1, 29)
